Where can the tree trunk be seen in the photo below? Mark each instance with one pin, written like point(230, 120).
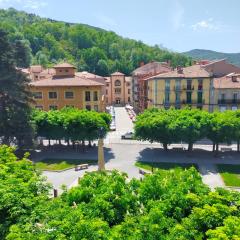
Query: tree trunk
point(190, 147)
point(89, 143)
point(68, 143)
point(238, 145)
point(165, 146)
point(49, 142)
point(59, 141)
point(216, 149)
point(214, 146)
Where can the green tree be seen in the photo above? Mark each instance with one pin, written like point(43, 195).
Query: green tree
point(15, 125)
point(23, 53)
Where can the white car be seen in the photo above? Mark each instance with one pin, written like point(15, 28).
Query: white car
point(128, 135)
point(112, 127)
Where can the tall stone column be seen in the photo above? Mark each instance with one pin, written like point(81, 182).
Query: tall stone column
point(101, 162)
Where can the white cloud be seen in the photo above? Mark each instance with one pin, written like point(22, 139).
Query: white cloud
point(27, 4)
point(208, 24)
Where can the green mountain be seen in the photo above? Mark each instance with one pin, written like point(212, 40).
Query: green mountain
point(233, 58)
point(89, 48)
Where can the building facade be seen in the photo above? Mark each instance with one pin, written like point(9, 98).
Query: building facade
point(139, 83)
point(227, 92)
point(118, 89)
point(65, 88)
point(196, 86)
point(179, 88)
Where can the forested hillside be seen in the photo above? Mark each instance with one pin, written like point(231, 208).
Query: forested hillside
point(89, 48)
point(233, 58)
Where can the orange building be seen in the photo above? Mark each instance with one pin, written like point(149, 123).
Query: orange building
point(61, 87)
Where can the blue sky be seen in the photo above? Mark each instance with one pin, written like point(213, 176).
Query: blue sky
point(179, 25)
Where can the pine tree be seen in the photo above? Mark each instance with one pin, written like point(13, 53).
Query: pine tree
point(15, 110)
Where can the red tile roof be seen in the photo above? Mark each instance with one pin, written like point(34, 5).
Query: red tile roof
point(65, 81)
point(117, 74)
point(36, 68)
point(152, 67)
point(226, 82)
point(64, 65)
point(194, 71)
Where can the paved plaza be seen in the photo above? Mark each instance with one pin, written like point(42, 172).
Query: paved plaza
point(123, 154)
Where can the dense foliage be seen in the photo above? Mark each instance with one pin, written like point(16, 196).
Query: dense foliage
point(188, 125)
point(14, 96)
point(70, 124)
point(89, 48)
point(21, 190)
point(166, 205)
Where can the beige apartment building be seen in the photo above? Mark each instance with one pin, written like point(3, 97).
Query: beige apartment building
point(118, 89)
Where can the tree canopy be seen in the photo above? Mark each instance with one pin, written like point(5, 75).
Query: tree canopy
point(89, 48)
point(169, 204)
point(188, 126)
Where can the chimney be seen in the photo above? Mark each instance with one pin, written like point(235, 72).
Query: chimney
point(234, 78)
point(179, 69)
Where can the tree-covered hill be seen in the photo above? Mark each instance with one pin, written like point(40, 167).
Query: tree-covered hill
point(233, 58)
point(89, 48)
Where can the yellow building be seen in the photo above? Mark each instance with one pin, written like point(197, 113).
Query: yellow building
point(65, 88)
point(190, 86)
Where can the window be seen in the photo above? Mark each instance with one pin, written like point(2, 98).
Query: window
point(52, 95)
point(53, 107)
point(222, 98)
point(37, 95)
point(66, 70)
point(167, 85)
point(69, 95)
point(107, 84)
point(177, 97)
point(39, 107)
point(106, 100)
point(189, 84)
point(129, 100)
point(95, 96)
point(199, 98)
point(88, 107)
point(235, 96)
point(129, 91)
point(178, 85)
point(167, 97)
point(223, 108)
point(87, 96)
point(95, 108)
point(200, 85)
point(189, 97)
point(128, 84)
point(106, 92)
point(117, 83)
point(117, 90)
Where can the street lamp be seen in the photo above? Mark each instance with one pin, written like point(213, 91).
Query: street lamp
point(101, 162)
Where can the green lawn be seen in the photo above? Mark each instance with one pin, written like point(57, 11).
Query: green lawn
point(163, 165)
point(230, 174)
point(61, 164)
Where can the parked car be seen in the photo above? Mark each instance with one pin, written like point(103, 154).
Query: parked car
point(112, 127)
point(128, 135)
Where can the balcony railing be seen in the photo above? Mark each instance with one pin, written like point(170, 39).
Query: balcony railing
point(228, 101)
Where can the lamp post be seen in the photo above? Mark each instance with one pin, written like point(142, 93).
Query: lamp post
point(101, 162)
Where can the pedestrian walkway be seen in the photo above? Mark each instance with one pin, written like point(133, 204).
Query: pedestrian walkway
point(210, 175)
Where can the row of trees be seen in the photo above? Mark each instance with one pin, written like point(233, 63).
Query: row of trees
point(165, 205)
point(189, 126)
point(90, 49)
point(70, 124)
